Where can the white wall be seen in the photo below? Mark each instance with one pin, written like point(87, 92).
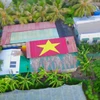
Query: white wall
point(90, 36)
point(7, 57)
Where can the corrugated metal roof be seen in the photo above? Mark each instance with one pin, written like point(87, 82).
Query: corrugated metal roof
point(27, 27)
point(62, 62)
point(68, 45)
point(7, 30)
point(18, 37)
point(50, 47)
point(71, 44)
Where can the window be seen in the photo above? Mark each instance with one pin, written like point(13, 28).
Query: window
point(12, 64)
point(17, 71)
point(95, 40)
point(85, 40)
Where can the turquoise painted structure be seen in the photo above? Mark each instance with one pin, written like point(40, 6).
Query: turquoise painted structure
point(18, 37)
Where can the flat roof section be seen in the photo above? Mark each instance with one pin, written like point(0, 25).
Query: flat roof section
point(63, 29)
point(87, 24)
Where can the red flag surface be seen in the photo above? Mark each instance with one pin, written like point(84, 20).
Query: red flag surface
point(46, 47)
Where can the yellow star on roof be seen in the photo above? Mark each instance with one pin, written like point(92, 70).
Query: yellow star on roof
point(48, 46)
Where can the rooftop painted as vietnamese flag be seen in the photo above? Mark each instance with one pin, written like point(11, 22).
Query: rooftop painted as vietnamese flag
point(46, 47)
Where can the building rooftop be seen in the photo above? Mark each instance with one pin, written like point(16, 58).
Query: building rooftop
point(87, 24)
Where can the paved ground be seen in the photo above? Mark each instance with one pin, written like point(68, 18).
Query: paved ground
point(73, 92)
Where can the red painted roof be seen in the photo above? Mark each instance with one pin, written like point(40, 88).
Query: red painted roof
point(66, 45)
point(71, 44)
point(47, 47)
point(27, 27)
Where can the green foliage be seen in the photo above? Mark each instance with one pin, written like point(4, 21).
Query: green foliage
point(54, 79)
point(73, 81)
point(91, 47)
point(97, 85)
point(95, 48)
point(1, 5)
point(72, 2)
point(5, 18)
point(31, 1)
point(66, 77)
point(89, 92)
point(42, 79)
point(16, 1)
point(8, 84)
point(25, 1)
point(41, 11)
point(70, 13)
point(24, 82)
point(92, 67)
point(69, 17)
point(2, 86)
point(57, 11)
point(20, 12)
point(42, 72)
point(84, 59)
point(96, 68)
point(26, 11)
point(1, 62)
point(36, 80)
point(84, 8)
point(69, 21)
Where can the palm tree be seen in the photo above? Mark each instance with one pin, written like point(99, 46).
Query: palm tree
point(18, 12)
point(36, 80)
point(41, 11)
point(29, 11)
point(72, 2)
point(84, 8)
point(54, 79)
point(24, 82)
point(5, 18)
point(8, 83)
point(57, 11)
point(2, 86)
